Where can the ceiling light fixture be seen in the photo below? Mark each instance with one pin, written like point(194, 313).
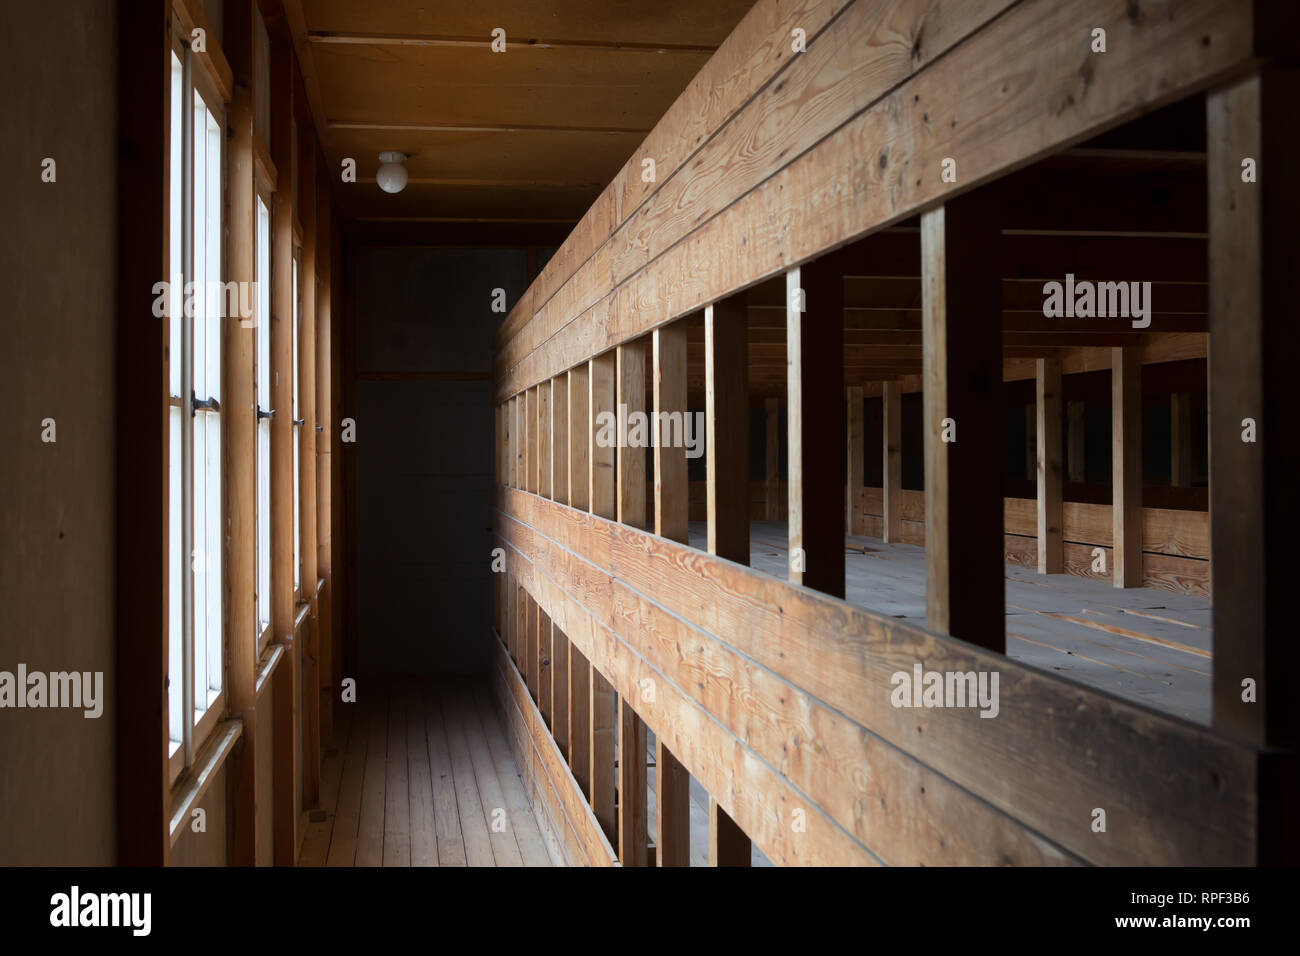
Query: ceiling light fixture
point(392, 174)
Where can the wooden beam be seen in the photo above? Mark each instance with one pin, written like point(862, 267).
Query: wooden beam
point(560, 689)
point(855, 519)
point(529, 668)
point(672, 496)
point(963, 422)
point(1182, 448)
point(728, 845)
point(601, 403)
point(601, 750)
point(1254, 511)
point(631, 454)
point(1048, 417)
point(1126, 467)
point(325, 447)
point(142, 422)
point(519, 442)
point(542, 664)
point(633, 795)
point(239, 429)
point(726, 425)
point(892, 460)
point(673, 800)
point(531, 439)
point(772, 459)
point(543, 395)
point(580, 719)
point(560, 439)
point(1075, 412)
point(579, 432)
point(309, 706)
point(815, 366)
point(286, 679)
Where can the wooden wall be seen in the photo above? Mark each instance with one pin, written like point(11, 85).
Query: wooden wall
point(57, 539)
point(775, 696)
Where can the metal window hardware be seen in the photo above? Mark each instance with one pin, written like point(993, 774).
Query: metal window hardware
point(208, 404)
point(263, 414)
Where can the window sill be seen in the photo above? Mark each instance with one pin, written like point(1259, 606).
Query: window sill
point(186, 795)
point(267, 667)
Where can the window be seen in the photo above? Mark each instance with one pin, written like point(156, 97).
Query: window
point(195, 306)
point(262, 379)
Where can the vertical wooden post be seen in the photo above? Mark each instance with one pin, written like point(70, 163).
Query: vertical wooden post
point(673, 797)
point(892, 458)
point(530, 652)
point(601, 751)
point(579, 437)
point(519, 440)
point(239, 428)
point(309, 706)
point(631, 455)
point(854, 516)
point(1075, 413)
point(543, 394)
point(601, 404)
point(1126, 466)
point(672, 495)
point(1048, 408)
point(521, 630)
point(1254, 394)
point(1181, 446)
point(728, 844)
point(580, 719)
point(815, 361)
point(772, 459)
point(962, 374)
point(726, 419)
point(532, 431)
point(508, 443)
point(633, 796)
point(560, 439)
point(1031, 441)
point(560, 689)
point(324, 466)
point(282, 477)
point(542, 664)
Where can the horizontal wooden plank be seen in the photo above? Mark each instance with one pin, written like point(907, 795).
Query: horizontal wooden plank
point(905, 813)
point(1010, 94)
point(1176, 792)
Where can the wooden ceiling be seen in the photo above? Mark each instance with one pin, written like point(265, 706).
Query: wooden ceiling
point(527, 136)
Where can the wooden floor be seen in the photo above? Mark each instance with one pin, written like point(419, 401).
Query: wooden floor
point(1143, 644)
point(422, 775)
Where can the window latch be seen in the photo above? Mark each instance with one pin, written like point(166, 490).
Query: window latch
point(320, 428)
point(262, 414)
point(300, 421)
point(207, 404)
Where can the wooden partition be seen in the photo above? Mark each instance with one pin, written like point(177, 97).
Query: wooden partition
point(776, 696)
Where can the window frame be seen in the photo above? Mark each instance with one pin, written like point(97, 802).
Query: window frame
point(198, 90)
point(265, 414)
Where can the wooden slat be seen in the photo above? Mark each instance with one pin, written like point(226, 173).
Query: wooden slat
point(601, 750)
point(726, 424)
point(892, 461)
point(631, 389)
point(423, 827)
point(728, 845)
point(632, 787)
point(854, 519)
point(815, 433)
point(532, 845)
point(446, 819)
point(560, 689)
point(1254, 509)
point(580, 720)
point(579, 432)
point(543, 665)
point(673, 819)
point(559, 431)
point(469, 803)
point(772, 459)
point(601, 402)
point(397, 795)
point(963, 401)
point(1048, 466)
point(672, 496)
point(1126, 468)
point(370, 825)
point(844, 657)
point(543, 395)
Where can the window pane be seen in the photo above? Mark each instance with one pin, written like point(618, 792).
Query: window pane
point(176, 571)
point(213, 252)
point(263, 524)
point(176, 189)
point(297, 575)
point(200, 557)
point(199, 278)
point(213, 577)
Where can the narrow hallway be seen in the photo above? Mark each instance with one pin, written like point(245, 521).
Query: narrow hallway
point(419, 773)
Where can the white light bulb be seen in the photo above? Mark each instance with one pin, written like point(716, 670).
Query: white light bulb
point(391, 176)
